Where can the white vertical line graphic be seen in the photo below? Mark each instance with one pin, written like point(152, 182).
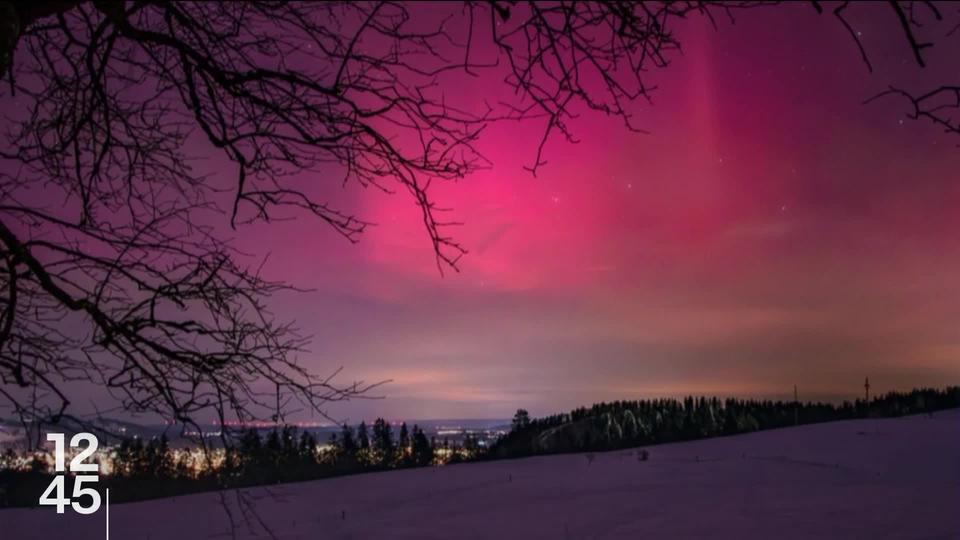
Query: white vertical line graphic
point(108, 513)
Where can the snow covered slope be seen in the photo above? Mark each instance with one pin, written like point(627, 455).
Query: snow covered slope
point(892, 478)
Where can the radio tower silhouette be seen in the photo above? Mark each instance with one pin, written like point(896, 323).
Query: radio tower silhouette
point(796, 403)
point(866, 392)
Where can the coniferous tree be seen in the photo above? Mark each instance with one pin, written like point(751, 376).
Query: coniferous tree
point(121, 462)
point(363, 440)
point(470, 443)
point(289, 451)
point(334, 441)
point(383, 441)
point(347, 441)
point(422, 450)
point(37, 465)
point(403, 443)
point(272, 449)
point(629, 425)
point(404, 439)
point(308, 448)
point(520, 420)
point(614, 432)
point(182, 468)
point(158, 461)
point(251, 448)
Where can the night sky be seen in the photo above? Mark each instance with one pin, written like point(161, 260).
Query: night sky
point(769, 230)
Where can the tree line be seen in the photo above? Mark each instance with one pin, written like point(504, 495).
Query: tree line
point(622, 424)
point(141, 469)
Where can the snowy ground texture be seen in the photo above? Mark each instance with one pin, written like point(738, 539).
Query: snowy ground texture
point(877, 479)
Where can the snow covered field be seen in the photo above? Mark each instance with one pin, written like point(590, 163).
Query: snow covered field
point(892, 478)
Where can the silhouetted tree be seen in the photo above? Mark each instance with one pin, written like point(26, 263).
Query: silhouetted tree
point(404, 441)
point(251, 448)
point(520, 420)
point(403, 446)
point(629, 423)
point(470, 443)
point(158, 461)
point(308, 447)
point(422, 449)
point(347, 441)
point(383, 441)
point(363, 440)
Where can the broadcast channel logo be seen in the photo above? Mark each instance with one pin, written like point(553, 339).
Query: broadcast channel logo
point(85, 498)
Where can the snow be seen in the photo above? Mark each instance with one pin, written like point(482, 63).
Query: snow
point(889, 478)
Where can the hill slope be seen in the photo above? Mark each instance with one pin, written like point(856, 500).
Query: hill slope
point(890, 478)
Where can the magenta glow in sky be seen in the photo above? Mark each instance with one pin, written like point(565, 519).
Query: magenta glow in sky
point(770, 230)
